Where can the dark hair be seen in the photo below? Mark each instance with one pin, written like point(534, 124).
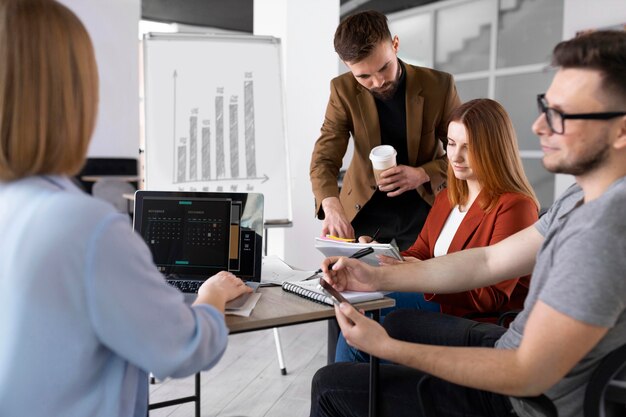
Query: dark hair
point(358, 34)
point(493, 154)
point(603, 51)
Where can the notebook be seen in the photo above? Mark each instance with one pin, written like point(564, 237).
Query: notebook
point(194, 235)
point(310, 289)
point(334, 247)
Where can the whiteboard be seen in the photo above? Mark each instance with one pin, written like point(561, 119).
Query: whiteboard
point(214, 117)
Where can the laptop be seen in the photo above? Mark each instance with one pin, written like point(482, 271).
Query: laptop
point(194, 235)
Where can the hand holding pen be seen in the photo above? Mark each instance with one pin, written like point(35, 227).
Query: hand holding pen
point(358, 276)
point(369, 239)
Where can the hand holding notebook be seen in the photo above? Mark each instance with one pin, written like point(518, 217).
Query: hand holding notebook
point(331, 247)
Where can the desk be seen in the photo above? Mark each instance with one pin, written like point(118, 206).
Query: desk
point(278, 308)
point(96, 178)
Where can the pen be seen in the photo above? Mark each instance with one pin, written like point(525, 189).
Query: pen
point(356, 255)
point(375, 234)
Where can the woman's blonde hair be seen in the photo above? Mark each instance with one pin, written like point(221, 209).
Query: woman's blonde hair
point(493, 154)
point(48, 89)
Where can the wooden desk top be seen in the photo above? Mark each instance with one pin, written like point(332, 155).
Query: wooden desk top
point(278, 308)
point(96, 178)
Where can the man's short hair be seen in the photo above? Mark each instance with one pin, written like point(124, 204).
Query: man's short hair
point(358, 34)
point(603, 51)
point(48, 89)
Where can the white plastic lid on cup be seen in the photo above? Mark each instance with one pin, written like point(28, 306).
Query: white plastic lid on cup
point(383, 157)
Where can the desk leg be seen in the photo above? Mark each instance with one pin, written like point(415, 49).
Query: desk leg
point(279, 352)
point(197, 394)
point(333, 335)
point(373, 406)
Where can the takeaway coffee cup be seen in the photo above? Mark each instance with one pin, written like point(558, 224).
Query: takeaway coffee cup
point(383, 157)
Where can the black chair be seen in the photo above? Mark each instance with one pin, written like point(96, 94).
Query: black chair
point(107, 166)
point(606, 393)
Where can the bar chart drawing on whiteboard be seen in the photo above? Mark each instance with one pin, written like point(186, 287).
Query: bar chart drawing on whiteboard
point(193, 159)
point(216, 124)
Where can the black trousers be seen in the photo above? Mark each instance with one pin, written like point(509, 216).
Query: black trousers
point(342, 389)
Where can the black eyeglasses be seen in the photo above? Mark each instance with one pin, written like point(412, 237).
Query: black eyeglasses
point(556, 119)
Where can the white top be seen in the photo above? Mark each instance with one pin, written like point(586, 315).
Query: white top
point(84, 313)
point(449, 230)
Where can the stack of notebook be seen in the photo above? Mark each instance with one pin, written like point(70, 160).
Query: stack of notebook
point(333, 247)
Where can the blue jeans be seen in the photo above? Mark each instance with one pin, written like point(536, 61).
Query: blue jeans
point(342, 389)
point(404, 300)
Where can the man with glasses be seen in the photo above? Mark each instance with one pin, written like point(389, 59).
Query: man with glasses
point(575, 313)
point(556, 119)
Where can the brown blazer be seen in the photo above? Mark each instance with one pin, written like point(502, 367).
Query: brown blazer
point(430, 97)
point(512, 213)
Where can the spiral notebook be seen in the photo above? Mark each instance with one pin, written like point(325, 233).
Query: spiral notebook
point(311, 290)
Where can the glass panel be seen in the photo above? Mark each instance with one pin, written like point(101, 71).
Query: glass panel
point(541, 180)
point(464, 36)
point(416, 40)
point(518, 95)
point(528, 30)
point(470, 89)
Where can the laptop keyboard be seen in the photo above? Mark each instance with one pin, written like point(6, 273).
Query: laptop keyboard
point(184, 285)
point(192, 285)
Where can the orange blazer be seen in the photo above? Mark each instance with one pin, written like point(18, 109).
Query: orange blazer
point(512, 213)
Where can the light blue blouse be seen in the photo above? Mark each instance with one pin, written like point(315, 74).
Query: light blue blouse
point(84, 313)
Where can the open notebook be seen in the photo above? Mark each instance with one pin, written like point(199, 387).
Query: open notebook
point(311, 290)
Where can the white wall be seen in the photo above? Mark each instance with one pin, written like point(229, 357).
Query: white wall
point(306, 29)
point(580, 15)
point(113, 26)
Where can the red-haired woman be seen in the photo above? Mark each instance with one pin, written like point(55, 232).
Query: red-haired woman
point(488, 199)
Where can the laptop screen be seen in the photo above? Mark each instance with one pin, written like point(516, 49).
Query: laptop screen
point(197, 234)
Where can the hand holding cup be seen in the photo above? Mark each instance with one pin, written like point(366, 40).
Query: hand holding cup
point(383, 157)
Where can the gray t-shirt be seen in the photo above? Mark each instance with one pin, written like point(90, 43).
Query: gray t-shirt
point(580, 271)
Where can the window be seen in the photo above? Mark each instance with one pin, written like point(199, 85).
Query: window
point(494, 48)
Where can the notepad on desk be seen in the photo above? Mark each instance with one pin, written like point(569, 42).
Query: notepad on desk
point(275, 271)
point(311, 290)
point(332, 247)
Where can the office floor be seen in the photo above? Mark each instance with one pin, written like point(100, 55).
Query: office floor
point(247, 381)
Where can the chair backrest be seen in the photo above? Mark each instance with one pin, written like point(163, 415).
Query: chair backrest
point(107, 166)
point(606, 392)
point(113, 190)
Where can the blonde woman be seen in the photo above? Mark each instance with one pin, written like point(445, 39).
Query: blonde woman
point(84, 313)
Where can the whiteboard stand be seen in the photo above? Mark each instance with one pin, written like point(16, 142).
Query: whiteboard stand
point(271, 224)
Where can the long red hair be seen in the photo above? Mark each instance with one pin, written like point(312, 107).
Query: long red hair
point(493, 154)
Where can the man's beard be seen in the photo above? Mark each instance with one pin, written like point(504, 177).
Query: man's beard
point(585, 165)
point(388, 90)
